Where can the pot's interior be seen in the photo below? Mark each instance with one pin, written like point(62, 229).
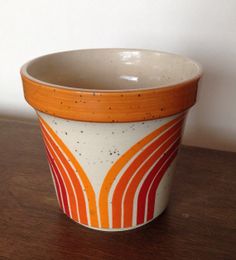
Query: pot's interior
point(112, 69)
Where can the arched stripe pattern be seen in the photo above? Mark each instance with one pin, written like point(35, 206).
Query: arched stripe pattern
point(157, 170)
point(123, 195)
point(56, 184)
point(67, 176)
point(153, 148)
point(62, 190)
point(131, 183)
point(154, 186)
point(65, 155)
point(132, 188)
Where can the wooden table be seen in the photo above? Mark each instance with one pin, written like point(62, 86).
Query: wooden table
point(200, 222)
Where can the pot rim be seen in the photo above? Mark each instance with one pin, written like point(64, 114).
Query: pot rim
point(24, 72)
point(113, 105)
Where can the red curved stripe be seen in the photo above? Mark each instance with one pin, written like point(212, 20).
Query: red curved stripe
point(138, 177)
point(63, 190)
point(130, 171)
point(57, 187)
point(152, 192)
point(148, 181)
point(56, 183)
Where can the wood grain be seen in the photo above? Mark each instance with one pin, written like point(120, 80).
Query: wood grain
point(200, 222)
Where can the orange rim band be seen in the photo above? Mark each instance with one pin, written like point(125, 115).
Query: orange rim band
point(117, 106)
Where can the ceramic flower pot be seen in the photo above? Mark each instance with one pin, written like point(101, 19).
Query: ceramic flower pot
point(112, 121)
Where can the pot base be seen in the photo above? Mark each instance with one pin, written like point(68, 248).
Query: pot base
point(120, 229)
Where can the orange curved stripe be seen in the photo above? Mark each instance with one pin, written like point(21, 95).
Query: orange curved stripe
point(130, 171)
point(119, 164)
point(155, 183)
point(77, 187)
point(71, 196)
point(130, 193)
point(86, 183)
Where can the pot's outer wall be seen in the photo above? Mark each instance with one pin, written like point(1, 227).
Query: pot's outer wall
point(112, 176)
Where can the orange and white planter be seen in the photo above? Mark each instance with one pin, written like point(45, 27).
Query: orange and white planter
point(111, 121)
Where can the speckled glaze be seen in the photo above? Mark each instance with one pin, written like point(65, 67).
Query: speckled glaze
point(112, 161)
